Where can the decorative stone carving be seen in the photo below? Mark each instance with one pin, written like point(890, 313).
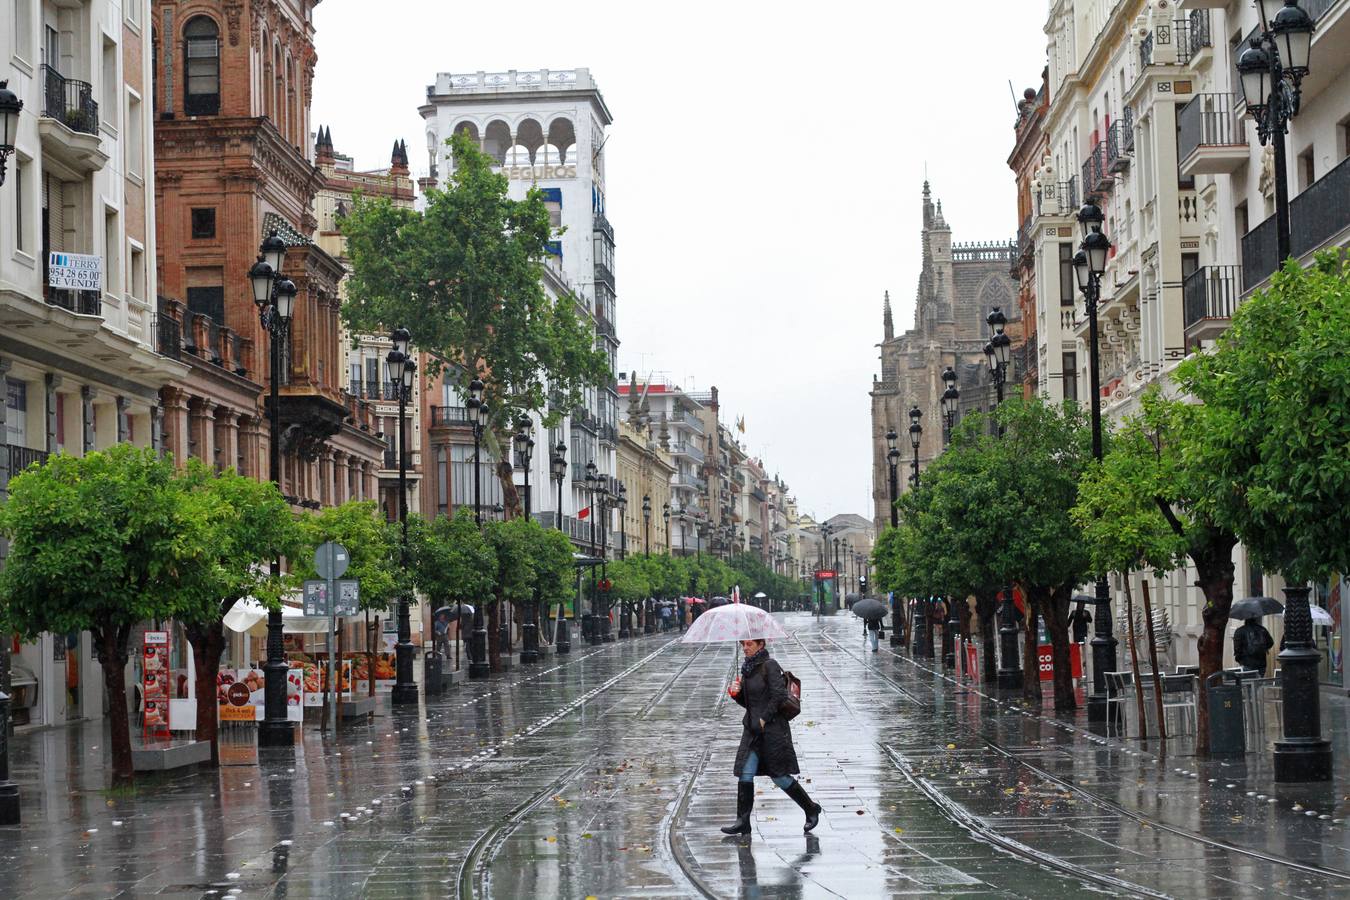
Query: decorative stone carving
point(233, 10)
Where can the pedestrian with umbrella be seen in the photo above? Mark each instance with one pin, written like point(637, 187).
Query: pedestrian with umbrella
point(871, 611)
point(1252, 642)
point(762, 690)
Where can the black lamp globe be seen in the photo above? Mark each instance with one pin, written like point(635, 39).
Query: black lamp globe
point(1081, 272)
point(891, 438)
point(991, 356)
point(400, 339)
point(285, 302)
point(260, 277)
point(996, 320)
point(1292, 30)
point(1253, 67)
point(1090, 217)
point(1097, 247)
point(1002, 348)
point(273, 251)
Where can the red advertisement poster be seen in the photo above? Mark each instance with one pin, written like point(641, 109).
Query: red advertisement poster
point(1045, 655)
point(155, 685)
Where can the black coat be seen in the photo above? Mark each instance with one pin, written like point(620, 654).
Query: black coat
point(762, 693)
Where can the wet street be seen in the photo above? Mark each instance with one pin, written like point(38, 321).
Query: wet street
point(607, 773)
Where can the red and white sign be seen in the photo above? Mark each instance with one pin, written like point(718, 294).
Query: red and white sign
point(155, 685)
point(1046, 656)
point(972, 662)
point(824, 575)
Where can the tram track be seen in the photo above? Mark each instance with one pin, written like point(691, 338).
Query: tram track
point(1065, 785)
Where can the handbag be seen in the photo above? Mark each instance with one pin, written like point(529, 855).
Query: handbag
point(792, 706)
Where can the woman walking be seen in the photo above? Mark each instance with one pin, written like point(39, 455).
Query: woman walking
point(766, 739)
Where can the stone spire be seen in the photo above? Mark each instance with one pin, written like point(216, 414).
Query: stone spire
point(398, 160)
point(927, 206)
point(323, 147)
point(888, 323)
point(664, 435)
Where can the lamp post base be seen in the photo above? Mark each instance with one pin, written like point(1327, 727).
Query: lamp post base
point(272, 733)
point(562, 641)
point(9, 803)
point(1096, 708)
point(1302, 759)
point(404, 694)
point(1010, 678)
point(478, 664)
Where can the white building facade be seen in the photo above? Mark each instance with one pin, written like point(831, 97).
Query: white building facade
point(1146, 115)
point(547, 128)
point(78, 367)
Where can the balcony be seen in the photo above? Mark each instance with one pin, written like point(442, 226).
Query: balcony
point(601, 224)
point(181, 331)
point(1211, 139)
point(1120, 143)
point(686, 418)
point(446, 416)
point(603, 275)
point(689, 450)
point(82, 303)
point(21, 458)
point(1096, 173)
point(1209, 295)
point(604, 326)
point(1199, 36)
point(608, 433)
point(1058, 198)
point(68, 126)
point(1318, 217)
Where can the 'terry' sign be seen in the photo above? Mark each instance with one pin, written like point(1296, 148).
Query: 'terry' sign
point(75, 271)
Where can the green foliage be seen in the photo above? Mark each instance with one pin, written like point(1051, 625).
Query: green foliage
point(555, 575)
point(1277, 397)
point(252, 524)
point(103, 542)
point(450, 560)
point(993, 510)
point(512, 544)
point(464, 275)
point(372, 546)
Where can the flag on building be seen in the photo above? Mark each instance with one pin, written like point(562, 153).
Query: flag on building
point(584, 513)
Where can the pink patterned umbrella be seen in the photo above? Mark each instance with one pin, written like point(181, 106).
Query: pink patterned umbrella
point(733, 622)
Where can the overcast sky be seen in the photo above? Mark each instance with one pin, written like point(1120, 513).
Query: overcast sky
point(764, 174)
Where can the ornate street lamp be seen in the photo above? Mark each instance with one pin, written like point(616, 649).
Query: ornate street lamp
point(892, 460)
point(478, 417)
point(10, 107)
point(524, 440)
point(625, 607)
point(1089, 264)
point(603, 632)
point(562, 642)
point(996, 354)
point(665, 514)
point(915, 439)
point(951, 398)
point(401, 369)
point(274, 295)
point(588, 623)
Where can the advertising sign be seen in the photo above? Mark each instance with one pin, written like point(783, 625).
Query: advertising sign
point(1046, 657)
point(155, 694)
point(295, 695)
point(240, 695)
point(75, 271)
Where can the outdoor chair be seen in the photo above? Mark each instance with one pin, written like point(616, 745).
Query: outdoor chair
point(1268, 690)
point(1116, 685)
point(1178, 692)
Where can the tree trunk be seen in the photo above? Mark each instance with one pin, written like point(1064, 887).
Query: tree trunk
point(1134, 658)
point(112, 656)
point(1214, 567)
point(494, 643)
point(1056, 615)
point(1153, 662)
point(208, 646)
point(1031, 660)
point(371, 634)
point(506, 474)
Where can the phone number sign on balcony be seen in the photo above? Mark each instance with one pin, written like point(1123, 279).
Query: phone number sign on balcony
point(75, 271)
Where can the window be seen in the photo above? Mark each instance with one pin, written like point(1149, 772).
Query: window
point(202, 54)
point(135, 137)
point(112, 252)
point(1071, 377)
point(1067, 280)
point(1305, 169)
point(1343, 139)
point(23, 28)
point(111, 88)
point(203, 223)
point(1240, 218)
point(16, 421)
point(21, 172)
point(553, 202)
point(208, 301)
point(1189, 263)
point(461, 478)
point(138, 272)
point(51, 47)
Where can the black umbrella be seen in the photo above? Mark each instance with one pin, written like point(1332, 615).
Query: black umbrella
point(718, 601)
point(1255, 608)
point(446, 614)
point(1085, 598)
point(870, 609)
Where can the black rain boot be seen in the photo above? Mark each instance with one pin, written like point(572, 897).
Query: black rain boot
point(809, 806)
point(745, 803)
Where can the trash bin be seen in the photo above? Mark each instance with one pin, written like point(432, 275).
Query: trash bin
point(1227, 734)
point(431, 673)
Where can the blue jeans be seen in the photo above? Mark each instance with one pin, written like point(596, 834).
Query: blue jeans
point(752, 766)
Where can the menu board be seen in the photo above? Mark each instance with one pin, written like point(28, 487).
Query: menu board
point(155, 684)
point(242, 696)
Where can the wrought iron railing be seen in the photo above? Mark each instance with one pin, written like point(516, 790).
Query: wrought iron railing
point(69, 102)
point(1315, 216)
point(1063, 193)
point(601, 224)
point(21, 458)
point(450, 415)
point(1210, 292)
point(1198, 31)
point(84, 303)
point(168, 336)
point(1146, 52)
point(688, 450)
point(1208, 120)
point(1117, 156)
point(1096, 172)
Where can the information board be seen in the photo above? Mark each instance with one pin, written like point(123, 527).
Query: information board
point(155, 693)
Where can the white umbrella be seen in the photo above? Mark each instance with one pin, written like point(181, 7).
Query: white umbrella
point(733, 622)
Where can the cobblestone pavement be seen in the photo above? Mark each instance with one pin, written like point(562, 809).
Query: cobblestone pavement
point(606, 773)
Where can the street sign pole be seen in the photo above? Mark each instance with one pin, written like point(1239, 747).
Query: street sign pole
point(330, 562)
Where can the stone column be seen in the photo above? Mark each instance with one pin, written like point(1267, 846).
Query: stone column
point(227, 422)
point(157, 427)
point(87, 418)
point(123, 425)
point(175, 418)
point(326, 487)
point(341, 478)
point(203, 427)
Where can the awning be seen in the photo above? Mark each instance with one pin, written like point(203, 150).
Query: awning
point(248, 616)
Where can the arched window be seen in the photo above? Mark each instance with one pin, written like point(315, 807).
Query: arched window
point(202, 55)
